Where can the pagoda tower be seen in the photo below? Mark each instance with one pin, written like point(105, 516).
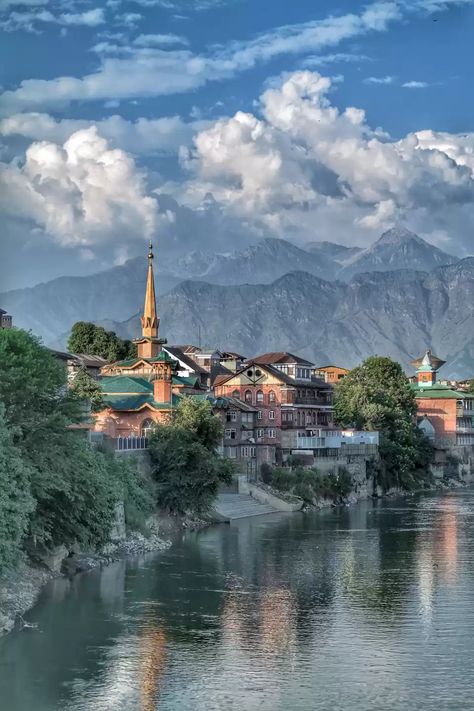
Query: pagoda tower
point(427, 369)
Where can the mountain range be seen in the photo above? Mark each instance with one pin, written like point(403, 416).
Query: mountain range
point(327, 302)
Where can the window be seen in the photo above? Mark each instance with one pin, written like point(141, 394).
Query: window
point(271, 434)
point(248, 396)
point(260, 433)
point(247, 417)
point(231, 416)
point(236, 394)
point(230, 434)
point(271, 414)
point(259, 396)
point(287, 417)
point(231, 452)
point(246, 452)
point(271, 396)
point(147, 428)
point(260, 415)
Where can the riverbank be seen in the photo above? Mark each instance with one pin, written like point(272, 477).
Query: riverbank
point(21, 587)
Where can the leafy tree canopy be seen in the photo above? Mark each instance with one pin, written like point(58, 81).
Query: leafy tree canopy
point(86, 388)
point(377, 396)
point(53, 485)
point(186, 466)
point(95, 340)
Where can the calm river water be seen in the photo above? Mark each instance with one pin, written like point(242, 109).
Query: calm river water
point(362, 608)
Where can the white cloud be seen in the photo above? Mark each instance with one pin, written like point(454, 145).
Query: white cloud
point(143, 136)
point(81, 193)
point(28, 21)
point(306, 166)
point(415, 85)
point(145, 72)
point(321, 60)
point(379, 80)
point(159, 40)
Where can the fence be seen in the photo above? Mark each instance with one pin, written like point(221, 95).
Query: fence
point(128, 444)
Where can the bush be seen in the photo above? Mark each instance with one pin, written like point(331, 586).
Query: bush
point(266, 473)
point(282, 479)
point(186, 467)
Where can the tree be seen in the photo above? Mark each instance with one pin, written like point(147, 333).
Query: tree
point(186, 466)
point(74, 488)
point(377, 396)
point(90, 339)
point(88, 389)
point(16, 502)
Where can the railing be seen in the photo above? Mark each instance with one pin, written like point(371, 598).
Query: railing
point(339, 440)
point(128, 444)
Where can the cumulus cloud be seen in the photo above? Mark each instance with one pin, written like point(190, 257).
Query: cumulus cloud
point(81, 193)
point(143, 136)
point(305, 165)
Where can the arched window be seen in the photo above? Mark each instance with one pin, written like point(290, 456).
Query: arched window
point(236, 393)
point(147, 427)
point(271, 396)
point(248, 396)
point(259, 396)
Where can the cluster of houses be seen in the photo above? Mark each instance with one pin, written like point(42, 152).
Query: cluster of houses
point(272, 406)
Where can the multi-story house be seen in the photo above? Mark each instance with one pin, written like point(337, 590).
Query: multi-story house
point(6, 320)
point(330, 373)
point(290, 401)
point(445, 413)
point(239, 421)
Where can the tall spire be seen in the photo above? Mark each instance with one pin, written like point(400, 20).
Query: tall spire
point(150, 320)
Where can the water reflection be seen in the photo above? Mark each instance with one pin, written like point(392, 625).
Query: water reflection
point(370, 607)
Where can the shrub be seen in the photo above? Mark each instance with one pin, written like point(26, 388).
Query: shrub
point(266, 473)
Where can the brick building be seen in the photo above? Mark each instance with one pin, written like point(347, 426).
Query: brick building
point(289, 400)
point(449, 412)
point(331, 373)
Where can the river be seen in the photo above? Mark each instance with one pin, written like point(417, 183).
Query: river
point(369, 607)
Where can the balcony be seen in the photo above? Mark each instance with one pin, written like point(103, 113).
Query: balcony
point(315, 401)
point(329, 439)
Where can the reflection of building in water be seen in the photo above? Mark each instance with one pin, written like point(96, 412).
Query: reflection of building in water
point(277, 620)
point(447, 548)
point(425, 568)
point(152, 661)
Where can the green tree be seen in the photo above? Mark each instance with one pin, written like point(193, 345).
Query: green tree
point(377, 396)
point(186, 466)
point(75, 489)
point(95, 340)
point(88, 389)
point(16, 502)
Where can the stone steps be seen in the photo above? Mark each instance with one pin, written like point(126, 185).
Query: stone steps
point(234, 506)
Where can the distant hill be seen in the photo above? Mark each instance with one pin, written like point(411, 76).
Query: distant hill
point(396, 249)
point(399, 313)
point(343, 303)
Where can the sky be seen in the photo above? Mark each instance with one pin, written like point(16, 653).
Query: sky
point(210, 124)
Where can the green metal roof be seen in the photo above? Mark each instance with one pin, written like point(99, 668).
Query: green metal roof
point(438, 391)
point(125, 384)
point(130, 403)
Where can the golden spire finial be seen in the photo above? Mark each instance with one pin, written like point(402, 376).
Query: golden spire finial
point(150, 320)
point(150, 251)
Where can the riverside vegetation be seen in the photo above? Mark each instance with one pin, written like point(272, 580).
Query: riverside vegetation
point(55, 489)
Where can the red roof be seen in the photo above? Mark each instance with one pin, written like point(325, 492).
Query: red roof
point(280, 357)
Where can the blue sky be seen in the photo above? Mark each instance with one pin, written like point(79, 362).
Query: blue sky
point(161, 81)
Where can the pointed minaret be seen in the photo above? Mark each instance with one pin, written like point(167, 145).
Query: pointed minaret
point(149, 345)
point(150, 321)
